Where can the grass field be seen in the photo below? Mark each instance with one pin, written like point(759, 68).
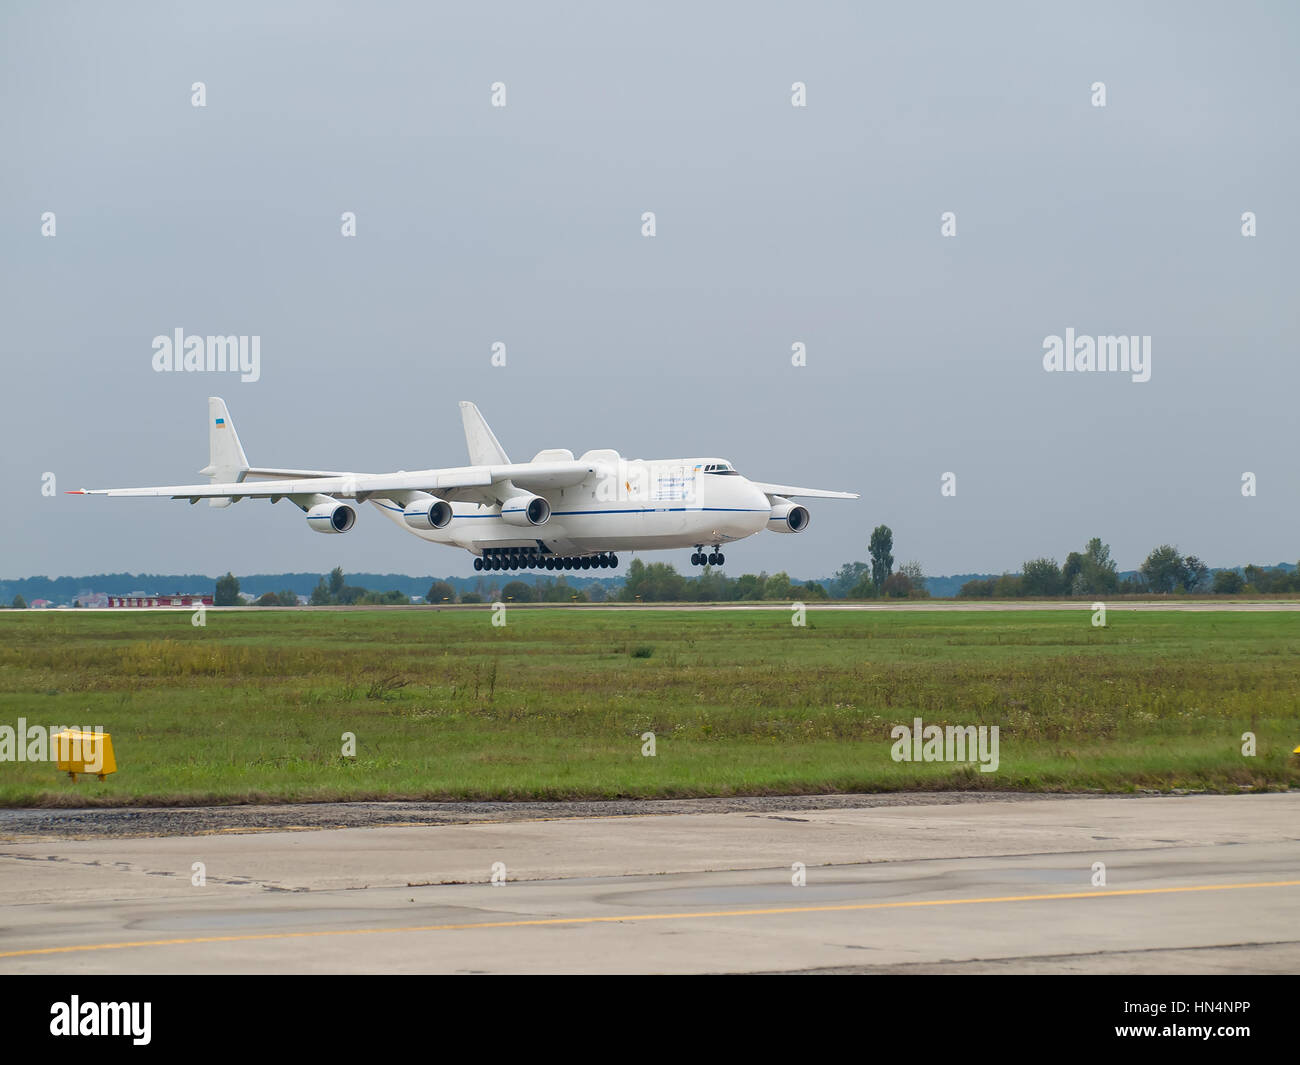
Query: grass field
point(252, 707)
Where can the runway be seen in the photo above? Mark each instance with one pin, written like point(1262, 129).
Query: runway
point(1192, 884)
point(958, 606)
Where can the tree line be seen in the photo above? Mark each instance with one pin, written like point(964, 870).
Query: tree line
point(1164, 571)
point(1090, 572)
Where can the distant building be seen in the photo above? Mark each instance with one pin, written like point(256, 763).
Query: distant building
point(176, 599)
point(40, 604)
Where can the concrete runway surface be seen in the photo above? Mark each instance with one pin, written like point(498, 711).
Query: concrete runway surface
point(959, 606)
point(1194, 884)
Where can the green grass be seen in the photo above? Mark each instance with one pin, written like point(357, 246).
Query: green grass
point(252, 707)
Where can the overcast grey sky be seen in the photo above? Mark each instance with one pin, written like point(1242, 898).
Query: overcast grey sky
point(775, 224)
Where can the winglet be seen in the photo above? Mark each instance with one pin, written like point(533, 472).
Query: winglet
point(484, 448)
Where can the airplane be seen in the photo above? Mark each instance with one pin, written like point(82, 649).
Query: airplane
point(555, 512)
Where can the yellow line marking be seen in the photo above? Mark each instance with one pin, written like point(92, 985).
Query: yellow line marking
point(539, 921)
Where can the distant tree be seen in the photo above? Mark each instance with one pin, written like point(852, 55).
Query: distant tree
point(1273, 580)
point(320, 595)
point(976, 589)
point(227, 591)
point(1072, 574)
point(882, 559)
point(866, 588)
point(657, 582)
point(440, 590)
point(1163, 569)
point(518, 591)
point(549, 591)
point(846, 578)
point(1008, 586)
point(712, 586)
point(1041, 576)
point(634, 577)
point(1135, 585)
point(284, 597)
point(1098, 568)
point(916, 577)
point(778, 587)
point(19, 603)
point(336, 583)
point(663, 584)
point(560, 591)
point(750, 586)
point(1228, 582)
point(1284, 581)
point(597, 593)
point(471, 597)
point(811, 592)
point(897, 585)
point(1194, 573)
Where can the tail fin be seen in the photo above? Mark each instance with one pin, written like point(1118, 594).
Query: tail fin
point(484, 449)
point(226, 460)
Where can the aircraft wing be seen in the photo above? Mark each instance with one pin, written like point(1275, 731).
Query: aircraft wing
point(528, 476)
point(807, 493)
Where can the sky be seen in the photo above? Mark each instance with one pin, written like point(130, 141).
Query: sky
point(774, 225)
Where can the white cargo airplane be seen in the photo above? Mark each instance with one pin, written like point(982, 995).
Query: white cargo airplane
point(556, 512)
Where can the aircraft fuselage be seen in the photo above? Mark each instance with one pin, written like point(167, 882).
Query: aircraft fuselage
point(625, 505)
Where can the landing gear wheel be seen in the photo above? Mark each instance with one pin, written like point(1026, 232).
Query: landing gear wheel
point(613, 561)
point(478, 563)
point(713, 558)
point(722, 559)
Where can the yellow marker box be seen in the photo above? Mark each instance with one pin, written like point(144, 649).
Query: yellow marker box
point(85, 752)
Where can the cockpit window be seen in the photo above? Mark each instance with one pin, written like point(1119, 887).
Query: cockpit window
point(721, 468)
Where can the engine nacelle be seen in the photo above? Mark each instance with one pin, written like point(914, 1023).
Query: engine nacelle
point(427, 513)
point(331, 517)
point(789, 518)
point(525, 510)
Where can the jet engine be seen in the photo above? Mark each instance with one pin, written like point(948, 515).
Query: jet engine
point(525, 510)
point(331, 516)
point(429, 512)
point(789, 517)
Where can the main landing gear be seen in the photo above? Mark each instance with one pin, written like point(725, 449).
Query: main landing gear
point(500, 558)
point(712, 558)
